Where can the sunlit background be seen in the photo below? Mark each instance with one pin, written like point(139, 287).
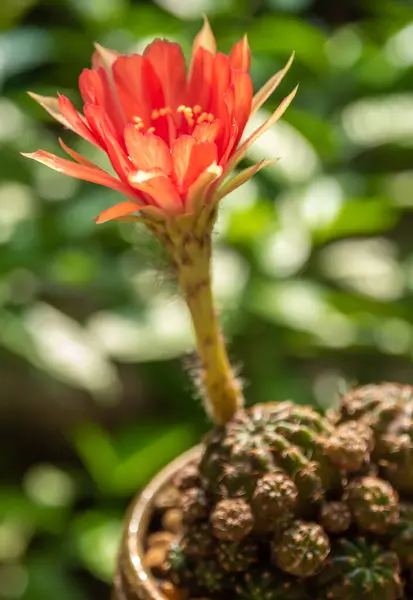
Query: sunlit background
point(313, 265)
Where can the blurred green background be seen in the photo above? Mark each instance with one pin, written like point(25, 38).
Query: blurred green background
point(313, 265)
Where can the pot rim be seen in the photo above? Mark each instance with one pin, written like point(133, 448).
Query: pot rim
point(131, 572)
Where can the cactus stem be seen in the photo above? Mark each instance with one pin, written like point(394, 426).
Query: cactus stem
point(189, 247)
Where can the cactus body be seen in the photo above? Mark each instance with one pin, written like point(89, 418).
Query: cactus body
point(286, 504)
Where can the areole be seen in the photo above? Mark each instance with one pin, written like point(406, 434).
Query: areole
point(132, 580)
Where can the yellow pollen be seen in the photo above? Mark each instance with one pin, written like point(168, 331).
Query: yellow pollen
point(138, 123)
point(151, 130)
point(188, 114)
point(161, 112)
point(195, 115)
point(205, 117)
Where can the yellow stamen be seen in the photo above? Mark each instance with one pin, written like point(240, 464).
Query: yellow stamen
point(205, 117)
point(138, 123)
point(161, 112)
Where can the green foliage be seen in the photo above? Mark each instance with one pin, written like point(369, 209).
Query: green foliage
point(313, 265)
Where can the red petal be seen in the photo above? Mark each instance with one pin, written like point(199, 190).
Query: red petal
point(230, 146)
point(118, 210)
point(203, 155)
point(168, 62)
point(160, 189)
point(104, 130)
point(96, 89)
point(201, 192)
point(207, 132)
point(243, 93)
point(76, 156)
point(90, 86)
point(181, 155)
point(225, 133)
point(240, 55)
point(138, 87)
point(147, 151)
point(76, 122)
point(221, 80)
point(80, 171)
point(191, 158)
point(199, 84)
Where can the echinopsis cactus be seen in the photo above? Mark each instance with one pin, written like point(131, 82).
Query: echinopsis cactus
point(288, 504)
point(285, 504)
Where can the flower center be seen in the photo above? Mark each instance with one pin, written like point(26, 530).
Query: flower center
point(192, 116)
point(195, 115)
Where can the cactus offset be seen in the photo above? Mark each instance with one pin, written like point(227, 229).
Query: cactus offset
point(237, 556)
point(359, 570)
point(374, 504)
point(402, 535)
point(270, 585)
point(301, 549)
point(287, 504)
point(335, 517)
point(388, 410)
point(231, 520)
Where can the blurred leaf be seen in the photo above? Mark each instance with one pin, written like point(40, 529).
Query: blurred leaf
point(136, 470)
point(96, 538)
point(281, 34)
point(319, 132)
point(16, 507)
point(13, 10)
point(120, 469)
point(245, 225)
point(23, 49)
point(360, 216)
point(95, 448)
point(47, 578)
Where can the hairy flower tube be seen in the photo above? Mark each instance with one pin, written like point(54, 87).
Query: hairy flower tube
point(173, 138)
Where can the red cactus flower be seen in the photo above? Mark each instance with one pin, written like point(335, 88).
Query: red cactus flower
point(172, 138)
